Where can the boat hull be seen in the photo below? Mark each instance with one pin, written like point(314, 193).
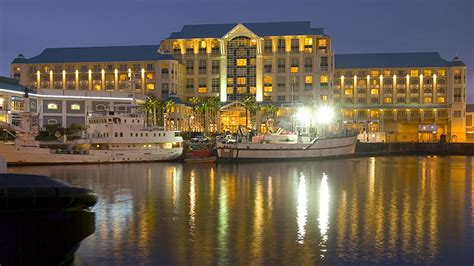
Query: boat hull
point(322, 148)
point(20, 155)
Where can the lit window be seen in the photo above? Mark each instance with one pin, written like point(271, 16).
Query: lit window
point(75, 107)
point(241, 90)
point(97, 87)
point(123, 77)
point(52, 106)
point(427, 72)
point(374, 91)
point(253, 90)
point(414, 72)
point(202, 90)
point(427, 100)
point(440, 100)
point(387, 100)
point(267, 89)
point(441, 72)
point(308, 79)
point(241, 81)
point(308, 41)
point(241, 62)
point(230, 80)
point(387, 73)
point(324, 79)
point(267, 80)
point(374, 73)
point(294, 69)
point(324, 98)
point(348, 92)
point(150, 86)
point(230, 90)
point(149, 76)
point(322, 43)
point(203, 44)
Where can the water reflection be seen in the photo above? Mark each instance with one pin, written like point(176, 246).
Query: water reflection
point(365, 210)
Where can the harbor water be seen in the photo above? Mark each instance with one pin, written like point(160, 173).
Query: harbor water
point(400, 210)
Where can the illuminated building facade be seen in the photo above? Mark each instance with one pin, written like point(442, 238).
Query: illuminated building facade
point(386, 96)
point(401, 96)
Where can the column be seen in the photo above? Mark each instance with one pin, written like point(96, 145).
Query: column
point(223, 71)
point(77, 80)
point(90, 79)
point(102, 77)
point(259, 72)
point(116, 79)
point(64, 80)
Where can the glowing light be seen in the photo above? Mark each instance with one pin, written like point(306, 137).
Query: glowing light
point(324, 115)
point(303, 116)
point(192, 202)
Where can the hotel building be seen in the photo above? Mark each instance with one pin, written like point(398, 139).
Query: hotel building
point(390, 97)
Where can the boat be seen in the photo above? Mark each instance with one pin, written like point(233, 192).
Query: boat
point(110, 137)
point(288, 146)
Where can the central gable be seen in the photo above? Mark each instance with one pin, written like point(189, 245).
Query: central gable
point(240, 30)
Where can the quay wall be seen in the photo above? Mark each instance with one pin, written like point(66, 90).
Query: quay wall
point(413, 148)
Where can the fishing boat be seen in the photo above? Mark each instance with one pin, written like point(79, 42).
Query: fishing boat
point(288, 146)
point(110, 137)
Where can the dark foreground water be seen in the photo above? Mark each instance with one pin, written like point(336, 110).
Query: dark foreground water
point(363, 210)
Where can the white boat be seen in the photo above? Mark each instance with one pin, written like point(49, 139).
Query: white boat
point(287, 147)
point(109, 138)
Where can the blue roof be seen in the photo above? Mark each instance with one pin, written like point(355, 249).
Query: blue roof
point(10, 84)
point(98, 54)
point(260, 29)
point(381, 60)
point(173, 98)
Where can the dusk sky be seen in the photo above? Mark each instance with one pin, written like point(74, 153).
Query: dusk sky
point(356, 26)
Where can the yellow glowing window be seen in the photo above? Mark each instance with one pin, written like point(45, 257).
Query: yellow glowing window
point(323, 79)
point(253, 90)
point(123, 77)
point(230, 80)
point(241, 90)
point(150, 86)
point(374, 73)
point(52, 106)
point(441, 72)
point(150, 76)
point(294, 69)
point(252, 62)
point(75, 107)
point(202, 90)
point(427, 100)
point(387, 73)
point(241, 62)
point(348, 92)
point(387, 100)
point(374, 91)
point(190, 45)
point(203, 44)
point(230, 90)
point(97, 87)
point(427, 72)
point(241, 81)
point(308, 41)
point(267, 89)
point(414, 72)
point(322, 43)
point(308, 79)
point(324, 98)
point(440, 99)
point(267, 79)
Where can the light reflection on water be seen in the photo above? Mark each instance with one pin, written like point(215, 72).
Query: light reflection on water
point(364, 210)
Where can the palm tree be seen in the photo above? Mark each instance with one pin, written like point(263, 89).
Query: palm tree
point(167, 106)
point(195, 101)
point(150, 106)
point(270, 110)
point(214, 106)
point(251, 107)
point(147, 107)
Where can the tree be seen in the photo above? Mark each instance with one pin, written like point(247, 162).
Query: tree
point(166, 107)
point(270, 111)
point(251, 108)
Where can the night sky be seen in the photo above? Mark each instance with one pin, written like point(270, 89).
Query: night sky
point(356, 26)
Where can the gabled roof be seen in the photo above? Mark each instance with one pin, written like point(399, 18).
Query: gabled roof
point(98, 54)
point(380, 60)
point(261, 29)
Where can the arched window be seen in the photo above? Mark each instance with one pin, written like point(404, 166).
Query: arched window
point(52, 106)
point(75, 107)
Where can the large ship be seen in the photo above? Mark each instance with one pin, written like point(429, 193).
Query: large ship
point(109, 138)
point(287, 146)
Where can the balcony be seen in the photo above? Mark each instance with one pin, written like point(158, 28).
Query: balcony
point(427, 91)
point(414, 91)
point(401, 91)
point(387, 92)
